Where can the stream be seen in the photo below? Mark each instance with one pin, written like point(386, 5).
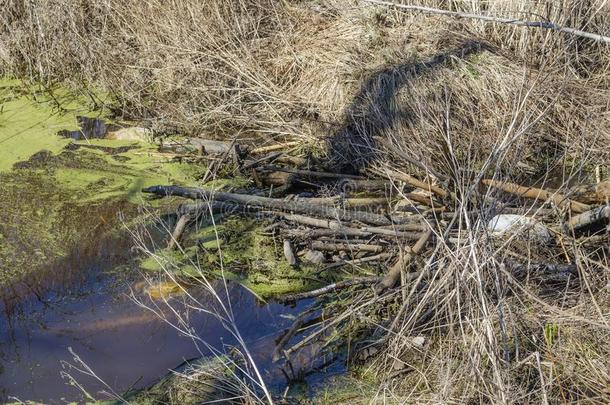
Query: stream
point(126, 346)
point(70, 278)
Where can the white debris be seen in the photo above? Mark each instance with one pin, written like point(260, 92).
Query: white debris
point(519, 224)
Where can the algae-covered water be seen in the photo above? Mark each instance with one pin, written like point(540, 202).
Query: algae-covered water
point(68, 273)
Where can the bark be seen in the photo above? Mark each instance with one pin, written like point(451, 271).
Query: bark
point(270, 203)
point(403, 261)
point(589, 218)
point(537, 194)
point(347, 247)
point(330, 288)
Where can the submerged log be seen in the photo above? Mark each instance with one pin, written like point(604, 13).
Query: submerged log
point(272, 203)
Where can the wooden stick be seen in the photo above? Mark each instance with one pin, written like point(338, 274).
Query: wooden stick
point(344, 229)
point(313, 174)
point(393, 275)
point(337, 247)
point(589, 218)
point(412, 181)
point(354, 262)
point(178, 231)
point(536, 194)
point(272, 203)
point(501, 20)
point(272, 148)
point(289, 253)
point(353, 185)
point(330, 288)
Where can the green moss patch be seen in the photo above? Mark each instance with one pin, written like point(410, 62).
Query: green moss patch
point(237, 250)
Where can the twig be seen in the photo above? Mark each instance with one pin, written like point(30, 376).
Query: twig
point(501, 20)
point(330, 288)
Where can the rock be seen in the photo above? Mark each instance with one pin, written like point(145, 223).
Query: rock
point(314, 256)
point(131, 134)
point(519, 224)
point(418, 342)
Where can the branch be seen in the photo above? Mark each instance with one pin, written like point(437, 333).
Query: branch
point(501, 20)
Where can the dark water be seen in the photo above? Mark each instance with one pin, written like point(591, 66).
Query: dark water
point(125, 345)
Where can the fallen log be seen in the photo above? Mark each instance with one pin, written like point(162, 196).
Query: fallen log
point(347, 202)
point(313, 174)
point(353, 185)
point(347, 247)
point(346, 230)
point(202, 146)
point(412, 181)
point(317, 233)
point(589, 218)
point(403, 261)
point(273, 148)
point(354, 262)
point(272, 203)
point(537, 194)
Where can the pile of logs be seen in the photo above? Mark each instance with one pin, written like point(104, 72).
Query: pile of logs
point(386, 216)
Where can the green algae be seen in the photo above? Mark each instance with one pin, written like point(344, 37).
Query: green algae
point(29, 120)
point(58, 193)
point(237, 250)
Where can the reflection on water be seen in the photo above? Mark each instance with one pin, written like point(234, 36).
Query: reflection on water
point(126, 346)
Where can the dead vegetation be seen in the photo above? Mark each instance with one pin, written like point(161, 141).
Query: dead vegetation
point(456, 119)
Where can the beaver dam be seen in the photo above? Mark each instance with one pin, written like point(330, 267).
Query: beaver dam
point(304, 202)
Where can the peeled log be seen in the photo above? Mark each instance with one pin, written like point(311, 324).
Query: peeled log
point(289, 253)
point(270, 203)
point(589, 218)
point(536, 194)
point(393, 275)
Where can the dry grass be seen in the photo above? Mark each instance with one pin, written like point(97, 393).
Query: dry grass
point(501, 101)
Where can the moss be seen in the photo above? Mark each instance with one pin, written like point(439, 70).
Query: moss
point(201, 381)
point(346, 390)
point(245, 255)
